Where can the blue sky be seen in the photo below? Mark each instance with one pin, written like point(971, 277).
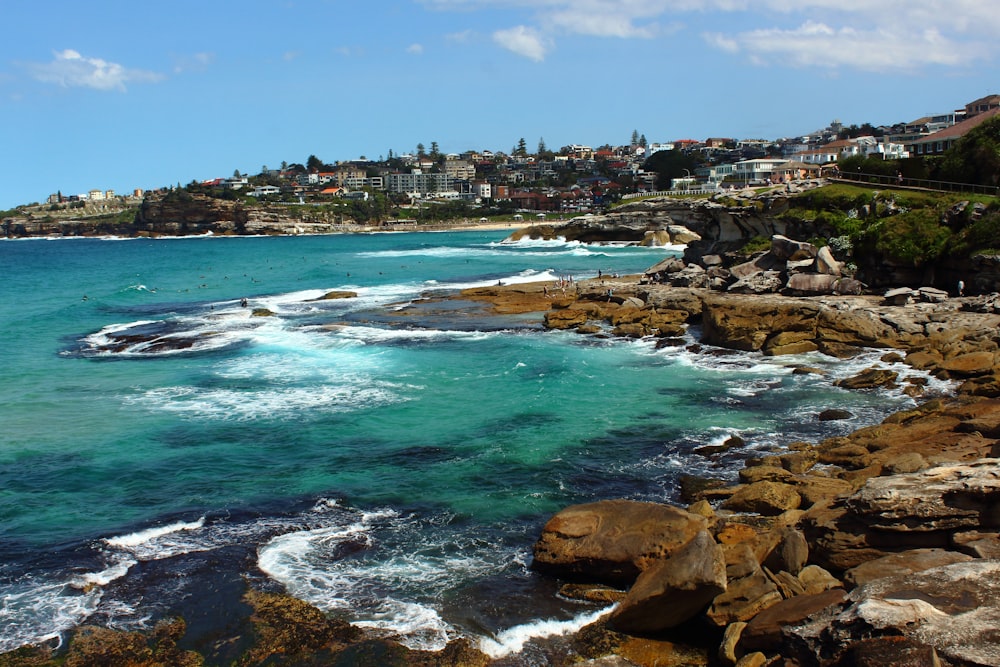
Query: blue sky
point(123, 94)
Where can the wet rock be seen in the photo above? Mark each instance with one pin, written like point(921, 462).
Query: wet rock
point(336, 294)
point(870, 379)
point(833, 414)
point(612, 541)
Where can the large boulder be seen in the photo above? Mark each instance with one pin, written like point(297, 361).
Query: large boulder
point(765, 497)
point(825, 262)
point(953, 608)
point(673, 590)
point(785, 249)
point(946, 498)
point(903, 563)
point(761, 282)
point(612, 541)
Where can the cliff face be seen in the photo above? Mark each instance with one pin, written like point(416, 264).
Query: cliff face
point(178, 213)
point(722, 227)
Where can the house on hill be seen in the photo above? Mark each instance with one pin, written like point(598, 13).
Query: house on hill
point(940, 141)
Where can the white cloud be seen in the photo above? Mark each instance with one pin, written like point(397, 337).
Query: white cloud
point(523, 41)
point(871, 35)
point(198, 62)
point(816, 44)
point(71, 69)
point(415, 49)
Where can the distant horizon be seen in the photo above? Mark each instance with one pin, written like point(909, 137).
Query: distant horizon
point(122, 97)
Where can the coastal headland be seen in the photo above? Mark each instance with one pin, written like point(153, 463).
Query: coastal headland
point(879, 547)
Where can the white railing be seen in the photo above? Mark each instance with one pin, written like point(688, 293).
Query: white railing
point(671, 193)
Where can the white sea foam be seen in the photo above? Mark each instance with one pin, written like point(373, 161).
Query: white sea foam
point(267, 402)
point(35, 612)
point(416, 626)
point(150, 534)
point(513, 640)
point(392, 585)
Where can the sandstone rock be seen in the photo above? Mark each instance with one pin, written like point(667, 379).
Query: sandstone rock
point(746, 322)
point(612, 541)
point(767, 498)
point(946, 498)
point(851, 456)
point(978, 544)
point(788, 584)
point(655, 238)
point(812, 283)
point(870, 379)
point(815, 489)
point(337, 294)
point(907, 562)
point(744, 599)
point(668, 265)
point(953, 608)
point(790, 554)
point(756, 659)
point(691, 276)
point(971, 364)
point(751, 474)
point(786, 249)
point(728, 652)
point(672, 591)
point(763, 282)
point(834, 414)
point(566, 318)
point(899, 296)
point(906, 462)
point(682, 235)
point(825, 262)
point(816, 580)
point(763, 632)
point(932, 295)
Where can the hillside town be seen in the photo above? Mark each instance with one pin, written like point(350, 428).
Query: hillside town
point(579, 178)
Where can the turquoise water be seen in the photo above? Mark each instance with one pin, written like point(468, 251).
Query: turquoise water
point(376, 459)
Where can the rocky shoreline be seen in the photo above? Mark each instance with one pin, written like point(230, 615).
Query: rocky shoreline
point(878, 546)
point(882, 546)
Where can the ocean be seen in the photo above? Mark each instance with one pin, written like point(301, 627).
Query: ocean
point(392, 463)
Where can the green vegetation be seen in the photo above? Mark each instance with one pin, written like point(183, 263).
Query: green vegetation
point(756, 244)
point(902, 226)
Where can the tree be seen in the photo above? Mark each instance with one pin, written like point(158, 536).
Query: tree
point(669, 165)
point(314, 163)
point(635, 137)
point(642, 141)
point(541, 146)
point(435, 153)
point(420, 150)
point(522, 148)
point(975, 158)
point(236, 174)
